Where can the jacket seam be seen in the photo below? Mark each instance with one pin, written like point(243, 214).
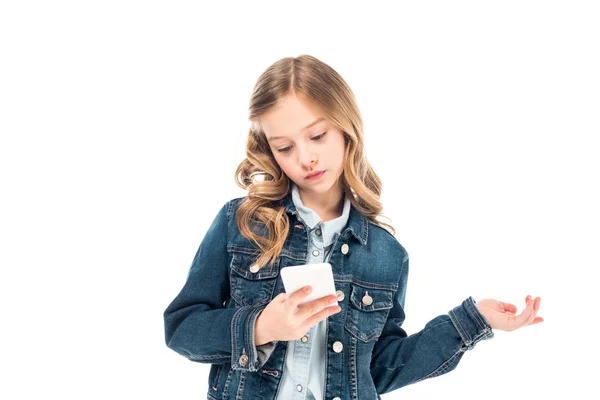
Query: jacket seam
point(371, 285)
point(463, 333)
point(444, 367)
point(214, 357)
point(234, 337)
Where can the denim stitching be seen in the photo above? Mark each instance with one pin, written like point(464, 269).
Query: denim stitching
point(247, 341)
point(354, 376)
point(472, 308)
point(463, 334)
point(215, 357)
point(234, 335)
point(485, 331)
point(250, 339)
point(371, 285)
point(442, 368)
point(227, 382)
point(240, 392)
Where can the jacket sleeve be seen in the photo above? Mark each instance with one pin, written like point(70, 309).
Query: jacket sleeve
point(399, 360)
point(197, 323)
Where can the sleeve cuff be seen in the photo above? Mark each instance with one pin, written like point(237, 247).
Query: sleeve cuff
point(470, 323)
point(264, 351)
point(245, 355)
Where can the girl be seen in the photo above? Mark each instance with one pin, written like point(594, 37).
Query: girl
point(313, 197)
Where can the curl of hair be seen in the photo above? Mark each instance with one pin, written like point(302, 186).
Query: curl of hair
point(316, 82)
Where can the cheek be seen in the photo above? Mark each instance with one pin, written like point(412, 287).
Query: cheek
point(284, 164)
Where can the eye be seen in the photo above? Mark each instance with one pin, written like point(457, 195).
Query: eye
point(315, 138)
point(319, 137)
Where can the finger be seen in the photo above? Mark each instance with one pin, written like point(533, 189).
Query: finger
point(511, 308)
point(522, 318)
point(527, 299)
point(280, 298)
point(295, 298)
point(321, 315)
point(311, 308)
point(537, 320)
point(534, 308)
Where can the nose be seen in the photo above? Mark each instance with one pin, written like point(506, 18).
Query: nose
point(306, 157)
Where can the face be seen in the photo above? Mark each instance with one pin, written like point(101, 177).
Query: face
point(303, 143)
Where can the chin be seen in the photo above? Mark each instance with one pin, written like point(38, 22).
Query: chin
point(321, 187)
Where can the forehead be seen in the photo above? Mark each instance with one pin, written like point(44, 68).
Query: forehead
point(290, 118)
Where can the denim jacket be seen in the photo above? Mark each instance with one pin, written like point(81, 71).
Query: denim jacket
point(212, 319)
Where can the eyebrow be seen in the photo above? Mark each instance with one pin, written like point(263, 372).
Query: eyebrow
point(316, 121)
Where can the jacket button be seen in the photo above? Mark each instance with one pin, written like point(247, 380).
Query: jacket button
point(299, 388)
point(254, 268)
point(367, 300)
point(336, 398)
point(340, 295)
point(243, 360)
point(338, 347)
point(304, 339)
point(345, 248)
point(318, 232)
point(315, 253)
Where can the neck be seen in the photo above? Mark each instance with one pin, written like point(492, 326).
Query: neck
point(328, 206)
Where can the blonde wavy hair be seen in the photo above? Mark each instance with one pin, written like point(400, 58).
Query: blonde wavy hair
point(315, 82)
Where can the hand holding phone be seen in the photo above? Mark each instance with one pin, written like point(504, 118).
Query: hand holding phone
point(290, 315)
point(318, 276)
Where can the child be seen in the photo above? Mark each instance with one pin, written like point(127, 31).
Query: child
point(313, 197)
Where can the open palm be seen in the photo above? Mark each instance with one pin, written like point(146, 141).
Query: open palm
point(502, 316)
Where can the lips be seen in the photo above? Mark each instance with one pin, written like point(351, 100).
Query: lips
point(314, 174)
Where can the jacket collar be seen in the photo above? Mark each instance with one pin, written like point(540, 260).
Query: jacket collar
point(358, 224)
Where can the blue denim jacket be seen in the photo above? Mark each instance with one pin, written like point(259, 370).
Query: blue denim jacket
point(212, 318)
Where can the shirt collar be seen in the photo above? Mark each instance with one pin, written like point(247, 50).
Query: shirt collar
point(357, 225)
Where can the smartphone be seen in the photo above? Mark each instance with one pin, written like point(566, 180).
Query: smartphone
point(318, 276)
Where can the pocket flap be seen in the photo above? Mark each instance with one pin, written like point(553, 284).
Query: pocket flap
point(366, 299)
point(244, 265)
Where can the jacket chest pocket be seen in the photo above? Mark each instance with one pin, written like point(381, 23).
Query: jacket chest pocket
point(367, 311)
point(250, 285)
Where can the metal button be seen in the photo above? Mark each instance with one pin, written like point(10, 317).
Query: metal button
point(254, 268)
point(299, 388)
point(315, 253)
point(340, 295)
point(367, 300)
point(336, 398)
point(345, 248)
point(243, 360)
point(304, 339)
point(338, 347)
point(318, 232)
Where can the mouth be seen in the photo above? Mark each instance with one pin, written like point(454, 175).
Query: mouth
point(315, 175)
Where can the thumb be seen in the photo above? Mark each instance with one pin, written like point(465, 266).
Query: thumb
point(280, 298)
point(508, 307)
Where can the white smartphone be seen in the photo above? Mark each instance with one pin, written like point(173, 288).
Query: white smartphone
point(318, 276)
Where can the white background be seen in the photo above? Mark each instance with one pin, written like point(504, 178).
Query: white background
point(122, 124)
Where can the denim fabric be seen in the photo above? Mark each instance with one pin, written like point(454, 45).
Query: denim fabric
point(368, 353)
point(304, 368)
